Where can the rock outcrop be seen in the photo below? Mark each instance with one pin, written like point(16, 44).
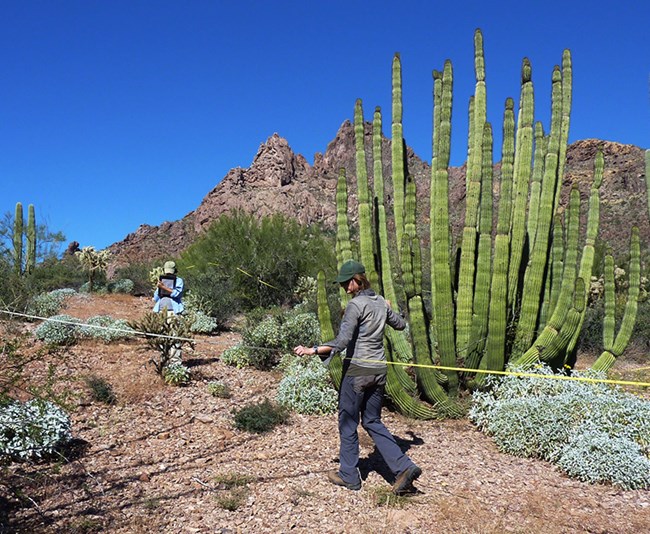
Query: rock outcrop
point(280, 181)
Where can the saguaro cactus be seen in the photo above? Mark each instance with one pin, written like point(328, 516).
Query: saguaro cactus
point(18, 238)
point(30, 260)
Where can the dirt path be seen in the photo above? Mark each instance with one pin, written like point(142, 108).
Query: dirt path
point(156, 462)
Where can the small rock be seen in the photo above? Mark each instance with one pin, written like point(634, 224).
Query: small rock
point(144, 477)
point(163, 435)
point(204, 418)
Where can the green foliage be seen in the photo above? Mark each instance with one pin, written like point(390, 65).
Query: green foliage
point(215, 290)
point(58, 330)
point(200, 323)
point(49, 304)
point(101, 390)
point(261, 417)
point(219, 389)
point(236, 356)
point(122, 285)
point(106, 328)
point(176, 374)
point(33, 429)
point(306, 387)
point(93, 262)
point(138, 273)
point(560, 420)
point(261, 260)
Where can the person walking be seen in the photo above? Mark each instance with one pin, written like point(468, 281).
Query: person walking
point(361, 393)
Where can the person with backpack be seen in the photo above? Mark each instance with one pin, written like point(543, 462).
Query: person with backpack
point(361, 335)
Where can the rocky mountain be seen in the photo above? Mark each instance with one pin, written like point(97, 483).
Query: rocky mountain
point(280, 181)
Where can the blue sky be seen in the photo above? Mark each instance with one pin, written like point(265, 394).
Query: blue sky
point(117, 113)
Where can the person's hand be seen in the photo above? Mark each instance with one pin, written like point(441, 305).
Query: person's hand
point(388, 303)
point(302, 351)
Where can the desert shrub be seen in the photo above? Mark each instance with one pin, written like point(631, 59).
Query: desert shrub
point(306, 387)
point(176, 374)
point(101, 390)
point(626, 467)
point(50, 303)
point(219, 389)
point(300, 329)
point(122, 285)
point(35, 428)
point(170, 334)
point(138, 273)
point(261, 417)
point(264, 343)
point(200, 323)
point(551, 419)
point(106, 328)
point(211, 291)
point(262, 259)
point(58, 330)
point(236, 356)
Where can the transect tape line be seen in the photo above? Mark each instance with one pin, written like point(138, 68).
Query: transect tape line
point(404, 364)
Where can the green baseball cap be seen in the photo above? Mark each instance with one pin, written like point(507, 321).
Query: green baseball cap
point(348, 270)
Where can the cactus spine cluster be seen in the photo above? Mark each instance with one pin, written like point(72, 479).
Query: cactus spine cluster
point(521, 295)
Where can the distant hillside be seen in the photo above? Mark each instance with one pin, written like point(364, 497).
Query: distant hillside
point(279, 181)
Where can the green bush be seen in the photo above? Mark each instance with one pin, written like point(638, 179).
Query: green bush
point(306, 387)
point(138, 273)
point(35, 428)
point(219, 389)
point(552, 419)
point(50, 303)
point(176, 374)
point(122, 285)
point(213, 290)
point(101, 390)
point(261, 417)
point(200, 323)
point(236, 356)
point(262, 260)
point(106, 328)
point(300, 329)
point(58, 330)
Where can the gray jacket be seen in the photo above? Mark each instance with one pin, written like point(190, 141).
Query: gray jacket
point(362, 333)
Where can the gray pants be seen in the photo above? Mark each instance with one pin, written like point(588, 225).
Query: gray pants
point(360, 397)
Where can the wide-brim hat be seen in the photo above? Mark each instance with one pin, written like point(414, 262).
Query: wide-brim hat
point(348, 270)
point(169, 267)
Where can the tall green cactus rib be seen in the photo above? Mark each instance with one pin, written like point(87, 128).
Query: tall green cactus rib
point(536, 183)
point(567, 91)
point(363, 196)
point(440, 238)
point(335, 367)
point(609, 320)
point(608, 357)
point(545, 346)
point(588, 251)
point(522, 165)
point(343, 248)
point(18, 238)
point(497, 317)
point(465, 299)
point(484, 258)
point(647, 176)
point(397, 148)
point(30, 260)
point(554, 278)
point(533, 280)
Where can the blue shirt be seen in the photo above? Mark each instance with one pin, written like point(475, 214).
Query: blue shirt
point(175, 297)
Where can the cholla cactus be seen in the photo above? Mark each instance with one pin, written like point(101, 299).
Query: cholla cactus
point(154, 276)
point(93, 262)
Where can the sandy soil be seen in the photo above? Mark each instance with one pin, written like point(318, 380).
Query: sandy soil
point(160, 459)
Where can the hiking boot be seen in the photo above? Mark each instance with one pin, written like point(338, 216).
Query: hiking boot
point(405, 479)
point(335, 478)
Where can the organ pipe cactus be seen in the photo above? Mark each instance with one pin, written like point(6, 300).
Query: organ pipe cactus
point(18, 238)
point(30, 259)
point(520, 295)
point(614, 347)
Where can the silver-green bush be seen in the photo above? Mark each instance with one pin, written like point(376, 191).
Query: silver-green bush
point(300, 329)
point(176, 374)
point(106, 328)
point(58, 330)
point(553, 419)
point(123, 285)
point(200, 323)
point(306, 388)
point(50, 303)
point(32, 429)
